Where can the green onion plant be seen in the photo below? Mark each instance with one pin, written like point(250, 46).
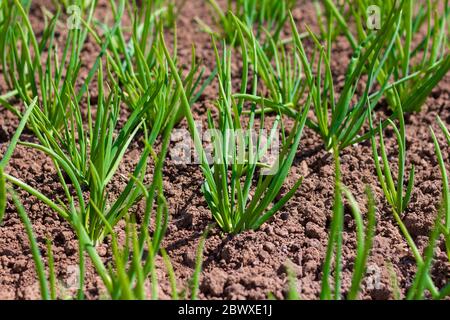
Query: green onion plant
point(279, 69)
point(397, 196)
point(258, 15)
point(395, 193)
point(229, 180)
point(445, 183)
point(8, 154)
point(229, 199)
point(337, 117)
point(25, 69)
point(88, 154)
point(74, 211)
point(131, 274)
point(46, 285)
point(419, 52)
point(131, 271)
point(289, 79)
point(419, 284)
point(364, 238)
point(138, 66)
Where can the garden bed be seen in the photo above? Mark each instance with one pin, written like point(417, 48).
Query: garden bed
point(252, 264)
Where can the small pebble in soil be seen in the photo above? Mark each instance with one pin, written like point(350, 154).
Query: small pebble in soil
point(284, 216)
point(70, 248)
point(269, 247)
point(268, 230)
point(314, 231)
point(311, 266)
point(48, 221)
point(281, 232)
point(226, 254)
point(304, 168)
point(214, 282)
point(19, 266)
point(263, 256)
point(189, 258)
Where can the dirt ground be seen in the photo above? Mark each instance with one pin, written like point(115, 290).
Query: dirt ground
point(251, 265)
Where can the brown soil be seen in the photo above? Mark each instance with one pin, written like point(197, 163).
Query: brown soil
point(251, 265)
